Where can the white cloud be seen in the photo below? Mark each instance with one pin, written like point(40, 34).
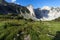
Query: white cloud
point(13, 0)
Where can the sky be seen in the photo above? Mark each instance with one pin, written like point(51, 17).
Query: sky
point(37, 3)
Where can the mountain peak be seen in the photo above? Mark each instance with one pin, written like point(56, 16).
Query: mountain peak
point(30, 6)
point(46, 8)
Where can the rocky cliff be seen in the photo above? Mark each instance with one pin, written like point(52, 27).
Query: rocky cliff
point(11, 8)
point(47, 13)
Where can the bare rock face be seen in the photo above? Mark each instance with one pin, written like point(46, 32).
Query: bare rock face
point(6, 8)
point(12, 8)
point(47, 13)
point(31, 9)
point(32, 13)
point(38, 13)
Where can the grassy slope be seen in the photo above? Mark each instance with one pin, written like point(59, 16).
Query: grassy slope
point(38, 30)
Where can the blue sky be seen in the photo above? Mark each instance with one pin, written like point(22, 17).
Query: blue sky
point(38, 3)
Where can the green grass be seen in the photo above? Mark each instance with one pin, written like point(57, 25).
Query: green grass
point(9, 29)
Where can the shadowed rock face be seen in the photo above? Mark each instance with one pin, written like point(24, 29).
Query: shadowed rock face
point(47, 13)
point(6, 8)
point(12, 8)
point(38, 13)
point(41, 13)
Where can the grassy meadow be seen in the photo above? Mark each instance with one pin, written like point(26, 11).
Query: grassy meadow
point(14, 29)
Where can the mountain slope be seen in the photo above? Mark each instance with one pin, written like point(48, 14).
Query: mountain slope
point(47, 13)
point(11, 8)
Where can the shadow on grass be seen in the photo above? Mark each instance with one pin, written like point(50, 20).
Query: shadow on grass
point(57, 37)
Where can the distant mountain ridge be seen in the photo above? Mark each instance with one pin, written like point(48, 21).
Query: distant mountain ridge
point(12, 7)
point(44, 14)
point(48, 13)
